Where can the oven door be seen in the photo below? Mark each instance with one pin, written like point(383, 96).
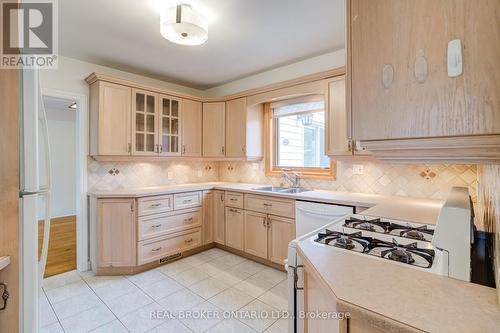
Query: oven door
point(295, 273)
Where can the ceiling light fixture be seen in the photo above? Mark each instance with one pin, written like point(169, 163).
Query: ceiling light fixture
point(183, 25)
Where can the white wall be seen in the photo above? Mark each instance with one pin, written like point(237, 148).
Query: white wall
point(62, 142)
point(313, 65)
point(71, 74)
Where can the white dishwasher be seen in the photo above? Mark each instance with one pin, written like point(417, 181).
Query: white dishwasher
point(310, 216)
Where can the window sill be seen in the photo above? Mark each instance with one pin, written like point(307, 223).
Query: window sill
point(312, 173)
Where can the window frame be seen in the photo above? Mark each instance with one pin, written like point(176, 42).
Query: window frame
point(272, 170)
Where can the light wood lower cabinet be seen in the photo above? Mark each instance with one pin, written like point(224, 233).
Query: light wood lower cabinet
point(115, 227)
point(281, 233)
point(208, 217)
point(219, 218)
point(153, 226)
point(235, 228)
point(256, 234)
point(319, 299)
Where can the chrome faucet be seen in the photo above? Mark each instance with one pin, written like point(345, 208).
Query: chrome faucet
point(293, 179)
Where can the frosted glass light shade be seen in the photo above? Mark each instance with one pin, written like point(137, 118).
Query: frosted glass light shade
point(183, 25)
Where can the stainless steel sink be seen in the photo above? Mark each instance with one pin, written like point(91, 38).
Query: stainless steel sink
point(295, 190)
point(271, 188)
point(281, 189)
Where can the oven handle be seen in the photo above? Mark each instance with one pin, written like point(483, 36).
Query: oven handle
point(296, 276)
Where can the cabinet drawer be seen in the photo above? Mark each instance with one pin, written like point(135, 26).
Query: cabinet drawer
point(154, 205)
point(187, 200)
point(149, 251)
point(167, 223)
point(268, 205)
point(234, 199)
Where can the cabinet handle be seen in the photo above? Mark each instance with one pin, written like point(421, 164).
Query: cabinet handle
point(129, 147)
point(155, 205)
point(187, 201)
point(223, 150)
point(156, 226)
point(233, 210)
point(132, 207)
point(264, 222)
point(222, 197)
point(5, 295)
point(157, 249)
point(183, 149)
point(187, 241)
point(160, 148)
point(244, 149)
point(233, 199)
point(267, 205)
point(268, 224)
point(189, 220)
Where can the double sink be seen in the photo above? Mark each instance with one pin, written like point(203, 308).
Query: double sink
point(280, 189)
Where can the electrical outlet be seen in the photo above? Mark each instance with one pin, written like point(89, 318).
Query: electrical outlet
point(358, 169)
point(170, 175)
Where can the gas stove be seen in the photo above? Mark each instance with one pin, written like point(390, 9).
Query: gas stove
point(400, 242)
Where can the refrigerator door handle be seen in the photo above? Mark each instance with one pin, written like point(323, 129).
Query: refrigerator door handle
point(45, 125)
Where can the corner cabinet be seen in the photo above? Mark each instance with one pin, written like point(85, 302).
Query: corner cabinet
point(192, 126)
point(110, 113)
point(214, 129)
point(406, 101)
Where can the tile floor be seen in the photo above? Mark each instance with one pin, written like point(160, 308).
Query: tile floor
point(194, 294)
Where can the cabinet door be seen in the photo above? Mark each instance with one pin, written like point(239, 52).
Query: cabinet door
point(116, 233)
point(319, 299)
point(234, 228)
point(396, 41)
point(256, 225)
point(236, 127)
point(219, 218)
point(281, 232)
point(208, 217)
point(214, 129)
point(169, 127)
point(337, 142)
point(192, 117)
point(144, 123)
point(110, 114)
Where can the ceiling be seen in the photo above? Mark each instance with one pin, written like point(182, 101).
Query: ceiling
point(245, 37)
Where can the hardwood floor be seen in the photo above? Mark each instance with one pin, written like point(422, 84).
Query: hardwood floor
point(62, 245)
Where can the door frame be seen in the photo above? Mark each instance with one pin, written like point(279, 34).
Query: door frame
point(82, 148)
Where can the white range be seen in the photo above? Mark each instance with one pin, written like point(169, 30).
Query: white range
point(442, 249)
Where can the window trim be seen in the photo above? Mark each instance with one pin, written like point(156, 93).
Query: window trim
point(274, 171)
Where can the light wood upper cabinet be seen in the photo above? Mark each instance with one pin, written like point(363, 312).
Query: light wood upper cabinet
point(192, 122)
point(400, 90)
point(144, 123)
point(235, 228)
point(208, 216)
point(214, 129)
point(169, 127)
point(219, 218)
point(256, 225)
point(337, 141)
point(236, 127)
point(110, 106)
point(281, 233)
point(116, 233)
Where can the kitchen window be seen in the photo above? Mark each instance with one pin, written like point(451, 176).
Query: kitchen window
point(296, 138)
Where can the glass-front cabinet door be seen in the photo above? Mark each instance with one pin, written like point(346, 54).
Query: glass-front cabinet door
point(144, 123)
point(169, 135)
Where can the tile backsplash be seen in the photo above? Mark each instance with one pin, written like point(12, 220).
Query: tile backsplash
point(119, 175)
point(426, 181)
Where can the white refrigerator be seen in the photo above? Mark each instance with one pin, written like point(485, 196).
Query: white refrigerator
point(34, 196)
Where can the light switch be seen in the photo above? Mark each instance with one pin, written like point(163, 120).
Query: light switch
point(358, 169)
point(455, 66)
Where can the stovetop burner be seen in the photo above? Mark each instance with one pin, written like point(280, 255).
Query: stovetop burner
point(355, 241)
point(406, 253)
point(422, 233)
